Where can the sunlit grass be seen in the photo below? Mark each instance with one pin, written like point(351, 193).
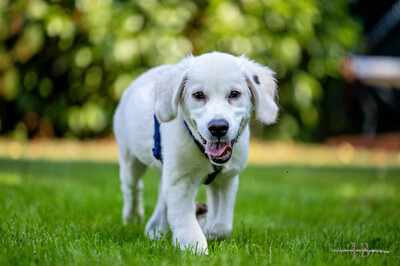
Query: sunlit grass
point(69, 213)
point(261, 152)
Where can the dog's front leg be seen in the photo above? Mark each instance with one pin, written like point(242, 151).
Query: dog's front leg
point(221, 196)
point(180, 193)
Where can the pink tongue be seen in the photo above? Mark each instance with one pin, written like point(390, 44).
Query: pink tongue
point(217, 148)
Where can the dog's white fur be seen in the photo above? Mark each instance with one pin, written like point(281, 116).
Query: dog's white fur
point(167, 91)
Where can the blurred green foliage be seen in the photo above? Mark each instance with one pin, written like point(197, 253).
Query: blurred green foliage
point(65, 64)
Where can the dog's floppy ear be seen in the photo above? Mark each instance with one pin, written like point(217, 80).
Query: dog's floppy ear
point(169, 88)
point(262, 85)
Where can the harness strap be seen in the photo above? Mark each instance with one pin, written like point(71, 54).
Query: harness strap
point(158, 154)
point(213, 175)
point(157, 140)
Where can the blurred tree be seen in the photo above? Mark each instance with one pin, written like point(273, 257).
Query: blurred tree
point(65, 64)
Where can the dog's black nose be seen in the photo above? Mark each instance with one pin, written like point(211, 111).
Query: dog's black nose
point(218, 127)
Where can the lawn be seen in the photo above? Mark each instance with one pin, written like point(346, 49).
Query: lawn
point(68, 212)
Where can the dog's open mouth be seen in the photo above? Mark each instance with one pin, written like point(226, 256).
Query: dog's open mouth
point(219, 152)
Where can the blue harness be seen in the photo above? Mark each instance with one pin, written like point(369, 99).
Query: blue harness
point(158, 155)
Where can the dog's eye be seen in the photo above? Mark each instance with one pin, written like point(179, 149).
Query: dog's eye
point(234, 94)
point(199, 95)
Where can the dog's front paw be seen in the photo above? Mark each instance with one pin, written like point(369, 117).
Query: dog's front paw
point(194, 244)
point(156, 228)
point(154, 233)
point(218, 231)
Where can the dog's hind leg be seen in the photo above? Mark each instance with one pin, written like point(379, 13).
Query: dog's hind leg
point(131, 171)
point(158, 224)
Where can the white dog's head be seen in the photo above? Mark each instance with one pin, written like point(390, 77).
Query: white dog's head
point(217, 93)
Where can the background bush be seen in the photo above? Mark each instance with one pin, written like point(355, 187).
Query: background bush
point(65, 64)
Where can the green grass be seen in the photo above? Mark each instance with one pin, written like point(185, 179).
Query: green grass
point(69, 213)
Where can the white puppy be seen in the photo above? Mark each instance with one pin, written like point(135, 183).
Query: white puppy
point(203, 105)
